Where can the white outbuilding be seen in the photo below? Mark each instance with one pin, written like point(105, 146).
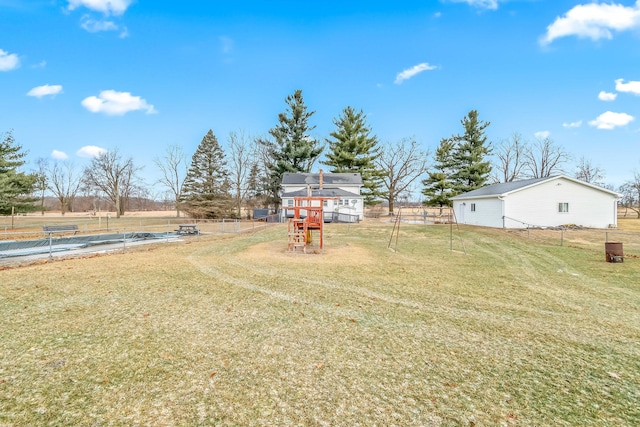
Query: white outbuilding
point(541, 202)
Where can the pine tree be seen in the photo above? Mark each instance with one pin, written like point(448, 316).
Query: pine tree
point(292, 148)
point(15, 187)
point(206, 189)
point(353, 149)
point(471, 169)
point(438, 185)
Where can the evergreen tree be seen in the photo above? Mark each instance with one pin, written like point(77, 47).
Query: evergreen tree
point(15, 187)
point(206, 188)
point(471, 169)
point(292, 148)
point(353, 149)
point(254, 186)
point(438, 185)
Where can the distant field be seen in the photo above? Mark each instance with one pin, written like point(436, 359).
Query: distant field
point(234, 330)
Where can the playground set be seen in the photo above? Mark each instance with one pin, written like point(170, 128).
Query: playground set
point(308, 216)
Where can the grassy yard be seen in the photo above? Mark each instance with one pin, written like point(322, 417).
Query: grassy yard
point(234, 330)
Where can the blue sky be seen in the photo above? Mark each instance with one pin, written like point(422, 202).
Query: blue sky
point(80, 76)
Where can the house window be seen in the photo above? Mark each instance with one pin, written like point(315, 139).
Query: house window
point(325, 203)
point(563, 207)
point(473, 207)
point(290, 202)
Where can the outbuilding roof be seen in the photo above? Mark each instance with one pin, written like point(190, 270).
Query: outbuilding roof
point(313, 179)
point(504, 188)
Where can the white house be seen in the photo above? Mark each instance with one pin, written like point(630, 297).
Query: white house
point(341, 190)
point(541, 202)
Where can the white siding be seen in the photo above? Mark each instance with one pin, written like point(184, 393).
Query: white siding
point(488, 212)
point(346, 207)
point(538, 206)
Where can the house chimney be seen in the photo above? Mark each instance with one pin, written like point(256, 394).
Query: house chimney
point(320, 183)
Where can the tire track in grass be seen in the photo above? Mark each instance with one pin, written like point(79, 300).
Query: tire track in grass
point(266, 274)
point(431, 323)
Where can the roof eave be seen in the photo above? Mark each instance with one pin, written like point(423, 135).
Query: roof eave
point(486, 196)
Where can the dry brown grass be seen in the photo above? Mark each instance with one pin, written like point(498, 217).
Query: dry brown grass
point(235, 330)
point(629, 224)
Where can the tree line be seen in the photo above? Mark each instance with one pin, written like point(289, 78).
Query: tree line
point(219, 183)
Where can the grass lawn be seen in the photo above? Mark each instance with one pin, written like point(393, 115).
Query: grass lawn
point(234, 330)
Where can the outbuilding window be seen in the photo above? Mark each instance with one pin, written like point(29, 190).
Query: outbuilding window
point(473, 207)
point(563, 207)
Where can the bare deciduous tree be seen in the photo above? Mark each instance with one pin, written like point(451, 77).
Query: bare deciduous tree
point(242, 158)
point(510, 159)
point(173, 167)
point(630, 191)
point(544, 158)
point(64, 183)
point(588, 172)
point(42, 180)
point(402, 164)
point(114, 176)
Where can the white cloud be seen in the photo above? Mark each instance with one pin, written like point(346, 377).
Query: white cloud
point(607, 96)
point(94, 26)
point(59, 155)
point(594, 21)
point(572, 124)
point(632, 87)
point(90, 151)
point(107, 7)
point(115, 103)
point(8, 61)
point(543, 134)
point(45, 90)
point(410, 72)
point(611, 120)
point(483, 4)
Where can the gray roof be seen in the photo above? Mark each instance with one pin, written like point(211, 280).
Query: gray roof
point(326, 192)
point(504, 188)
point(313, 179)
point(501, 188)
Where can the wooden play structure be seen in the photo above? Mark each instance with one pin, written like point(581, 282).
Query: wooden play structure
point(308, 216)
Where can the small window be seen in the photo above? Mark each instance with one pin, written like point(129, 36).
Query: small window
point(563, 207)
point(290, 202)
point(473, 207)
point(325, 203)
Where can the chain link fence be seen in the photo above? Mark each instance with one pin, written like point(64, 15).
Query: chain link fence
point(590, 239)
point(25, 239)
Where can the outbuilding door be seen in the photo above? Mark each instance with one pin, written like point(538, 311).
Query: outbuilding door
point(460, 213)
